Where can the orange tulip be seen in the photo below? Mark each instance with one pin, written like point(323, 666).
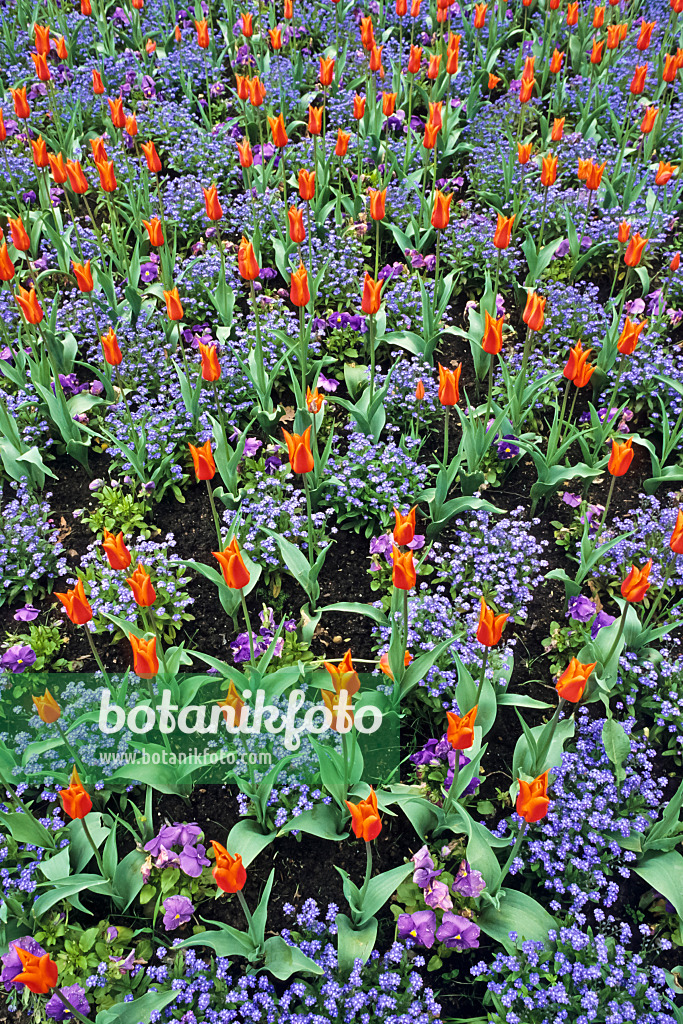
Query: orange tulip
point(83, 276)
point(57, 168)
point(365, 820)
point(342, 717)
point(235, 572)
point(431, 135)
point(526, 90)
point(42, 39)
point(403, 574)
point(503, 232)
point(145, 660)
point(675, 262)
point(151, 156)
point(433, 66)
point(202, 457)
point(623, 232)
point(597, 51)
point(21, 107)
point(141, 585)
point(155, 232)
point(480, 15)
point(97, 84)
point(39, 148)
point(314, 400)
point(388, 103)
point(306, 184)
point(634, 250)
point(595, 176)
point(174, 306)
point(493, 81)
point(638, 80)
point(556, 62)
point(372, 297)
point(211, 368)
point(598, 17)
point(534, 311)
point(665, 172)
point(257, 92)
point(6, 266)
point(38, 973)
point(47, 708)
point(532, 800)
point(242, 87)
point(645, 35)
point(275, 38)
point(246, 261)
point(621, 457)
point(77, 179)
point(315, 120)
point(110, 346)
point(229, 872)
point(420, 391)
point(404, 530)
point(576, 355)
point(572, 683)
point(214, 211)
point(247, 25)
point(492, 341)
point(105, 169)
point(572, 13)
point(20, 239)
point(367, 33)
point(234, 701)
point(384, 663)
point(490, 628)
point(449, 393)
point(118, 118)
point(629, 337)
point(245, 153)
point(86, 7)
point(558, 129)
point(75, 800)
point(548, 170)
point(676, 540)
point(584, 372)
point(460, 733)
point(649, 118)
point(377, 201)
point(343, 139)
point(301, 457)
point(202, 34)
point(29, 305)
point(42, 70)
point(670, 69)
point(613, 36)
point(452, 60)
point(116, 551)
point(278, 131)
point(299, 295)
point(358, 107)
point(441, 214)
point(376, 58)
point(297, 232)
point(524, 152)
point(131, 125)
point(326, 71)
point(343, 675)
point(636, 585)
point(414, 60)
point(3, 130)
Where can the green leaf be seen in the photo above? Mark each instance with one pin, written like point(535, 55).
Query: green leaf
point(282, 960)
point(518, 913)
point(248, 837)
point(664, 872)
point(225, 941)
point(381, 888)
point(24, 828)
point(354, 943)
point(67, 887)
point(139, 1011)
point(617, 746)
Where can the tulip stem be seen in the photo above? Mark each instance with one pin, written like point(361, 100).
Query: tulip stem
point(620, 631)
point(247, 619)
point(490, 394)
point(450, 795)
point(302, 341)
point(77, 761)
point(447, 411)
point(70, 1007)
point(482, 676)
point(604, 514)
point(148, 619)
point(436, 274)
point(368, 870)
point(371, 338)
point(260, 369)
point(513, 853)
point(309, 524)
point(214, 513)
point(96, 656)
point(98, 856)
point(245, 908)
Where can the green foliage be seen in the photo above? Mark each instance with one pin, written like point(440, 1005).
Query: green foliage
point(117, 509)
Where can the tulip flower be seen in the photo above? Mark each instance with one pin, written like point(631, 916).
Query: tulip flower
point(75, 800)
point(110, 347)
point(83, 276)
point(452, 61)
point(154, 231)
point(636, 585)
point(297, 232)
point(377, 201)
point(501, 238)
point(202, 458)
point(242, 84)
point(376, 58)
point(343, 675)
point(629, 337)
point(116, 551)
point(414, 60)
point(211, 368)
point(342, 144)
point(526, 90)
point(621, 457)
point(638, 81)
point(203, 33)
point(246, 155)
point(670, 69)
point(584, 372)
point(404, 530)
point(29, 305)
point(665, 172)
point(306, 185)
point(132, 125)
point(151, 156)
point(41, 35)
point(47, 708)
point(490, 628)
point(598, 17)
point(492, 341)
point(420, 391)
point(118, 118)
point(572, 13)
point(278, 131)
point(441, 213)
point(532, 800)
point(358, 107)
point(449, 393)
point(433, 66)
point(431, 135)
point(371, 300)
point(676, 539)
point(556, 62)
point(326, 72)
point(299, 294)
point(315, 120)
point(572, 364)
point(229, 872)
point(338, 707)
point(6, 266)
point(257, 92)
point(460, 732)
point(39, 149)
point(572, 683)
point(645, 35)
point(141, 585)
point(524, 152)
point(21, 108)
point(480, 15)
point(275, 35)
point(174, 306)
point(549, 170)
point(38, 973)
point(235, 702)
point(649, 118)
point(214, 211)
point(493, 81)
point(145, 660)
point(299, 451)
point(384, 663)
point(57, 168)
point(235, 572)
point(594, 178)
point(77, 179)
point(597, 51)
point(20, 239)
point(534, 311)
point(105, 169)
point(403, 574)
point(623, 232)
point(97, 85)
point(365, 820)
point(634, 250)
point(675, 262)
point(528, 70)
point(246, 259)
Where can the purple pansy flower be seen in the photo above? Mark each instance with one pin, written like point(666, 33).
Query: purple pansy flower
point(56, 1009)
point(467, 882)
point(420, 926)
point(12, 965)
point(437, 896)
point(26, 614)
point(178, 910)
point(601, 619)
point(458, 932)
point(424, 872)
point(192, 860)
point(18, 658)
point(581, 608)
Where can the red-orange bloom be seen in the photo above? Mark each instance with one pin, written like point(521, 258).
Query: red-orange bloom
point(97, 84)
point(643, 40)
point(556, 62)
point(376, 58)
point(275, 38)
point(211, 368)
point(145, 660)
point(21, 107)
point(306, 184)
point(299, 295)
point(77, 178)
point(598, 17)
point(7, 270)
point(441, 214)
point(377, 203)
point(433, 66)
point(174, 306)
point(449, 393)
point(57, 167)
point(534, 311)
point(384, 663)
point(39, 152)
point(492, 342)
point(636, 585)
point(344, 675)
point(532, 800)
point(595, 176)
point(83, 276)
point(372, 296)
point(42, 70)
point(29, 305)
point(20, 239)
point(638, 80)
point(76, 603)
point(278, 131)
point(326, 71)
point(315, 120)
point(116, 551)
point(480, 15)
point(245, 153)
point(151, 156)
point(75, 800)
point(403, 574)
point(297, 231)
point(246, 261)
point(235, 572)
point(132, 125)
point(203, 33)
point(342, 145)
point(665, 172)
point(649, 118)
point(621, 457)
point(634, 250)
point(572, 683)
point(388, 103)
point(118, 118)
point(573, 364)
point(38, 973)
point(358, 107)
point(548, 170)
point(460, 732)
point(202, 457)
point(41, 35)
point(503, 232)
point(214, 210)
point(597, 51)
point(623, 232)
point(572, 13)
point(367, 33)
point(490, 628)
point(154, 231)
point(299, 451)
point(257, 92)
point(229, 872)
point(526, 90)
point(242, 83)
point(629, 337)
point(141, 585)
point(414, 60)
point(493, 81)
point(524, 152)
point(110, 346)
point(558, 129)
point(404, 530)
point(105, 169)
point(431, 135)
point(676, 540)
point(365, 820)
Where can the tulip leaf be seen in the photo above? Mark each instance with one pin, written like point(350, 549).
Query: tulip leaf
point(617, 746)
point(517, 913)
point(139, 1011)
point(664, 872)
point(24, 828)
point(67, 889)
point(248, 837)
point(224, 940)
point(381, 888)
point(354, 943)
point(356, 608)
point(283, 960)
point(322, 820)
